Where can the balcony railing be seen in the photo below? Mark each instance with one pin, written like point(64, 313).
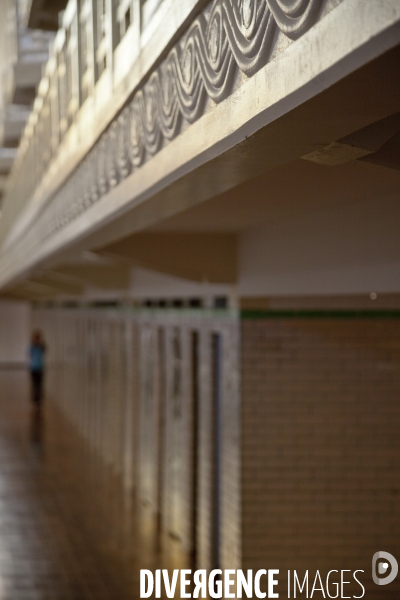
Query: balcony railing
point(85, 82)
point(125, 79)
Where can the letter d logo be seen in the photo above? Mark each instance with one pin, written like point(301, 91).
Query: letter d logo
point(383, 568)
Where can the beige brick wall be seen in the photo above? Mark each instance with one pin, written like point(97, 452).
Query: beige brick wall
point(320, 444)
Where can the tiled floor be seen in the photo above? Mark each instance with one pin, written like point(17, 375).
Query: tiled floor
point(66, 530)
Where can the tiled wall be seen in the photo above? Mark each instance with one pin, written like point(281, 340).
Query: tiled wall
point(125, 380)
point(321, 444)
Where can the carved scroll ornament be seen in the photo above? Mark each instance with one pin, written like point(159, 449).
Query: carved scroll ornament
point(228, 37)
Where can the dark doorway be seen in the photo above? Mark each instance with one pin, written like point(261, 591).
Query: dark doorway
point(216, 352)
point(162, 391)
point(195, 388)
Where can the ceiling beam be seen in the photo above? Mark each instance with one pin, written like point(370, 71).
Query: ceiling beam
point(101, 276)
point(197, 256)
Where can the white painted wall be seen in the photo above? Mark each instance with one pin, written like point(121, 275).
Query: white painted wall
point(147, 284)
point(15, 325)
point(344, 250)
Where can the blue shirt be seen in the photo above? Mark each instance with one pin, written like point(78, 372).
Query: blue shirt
point(36, 356)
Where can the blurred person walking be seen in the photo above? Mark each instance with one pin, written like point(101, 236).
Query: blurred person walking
point(37, 351)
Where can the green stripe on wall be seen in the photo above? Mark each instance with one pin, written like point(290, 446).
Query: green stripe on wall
point(320, 314)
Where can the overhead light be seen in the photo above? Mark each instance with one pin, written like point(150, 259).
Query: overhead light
point(336, 153)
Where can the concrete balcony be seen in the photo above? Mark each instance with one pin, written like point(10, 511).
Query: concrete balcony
point(151, 109)
point(23, 53)
point(27, 76)
point(14, 119)
point(7, 157)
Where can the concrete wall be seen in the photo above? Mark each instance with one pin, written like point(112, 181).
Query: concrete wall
point(320, 422)
point(14, 332)
point(352, 249)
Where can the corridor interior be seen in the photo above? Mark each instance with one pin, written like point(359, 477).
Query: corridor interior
point(200, 223)
point(64, 532)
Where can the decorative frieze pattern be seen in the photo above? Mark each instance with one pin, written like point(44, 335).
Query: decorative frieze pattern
point(228, 37)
